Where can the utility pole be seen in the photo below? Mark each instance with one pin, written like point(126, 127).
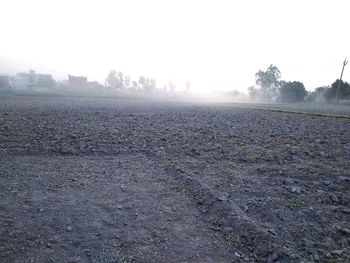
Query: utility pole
point(341, 76)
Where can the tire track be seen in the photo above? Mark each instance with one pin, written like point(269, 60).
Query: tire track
point(245, 237)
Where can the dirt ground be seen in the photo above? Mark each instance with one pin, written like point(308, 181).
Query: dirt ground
point(131, 180)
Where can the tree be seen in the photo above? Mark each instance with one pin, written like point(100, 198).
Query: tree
point(120, 81)
point(253, 92)
point(142, 82)
point(318, 95)
point(147, 85)
point(338, 87)
point(115, 80)
point(268, 81)
point(126, 82)
point(135, 86)
point(111, 79)
point(150, 85)
point(292, 91)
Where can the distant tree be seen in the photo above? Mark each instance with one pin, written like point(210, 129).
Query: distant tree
point(322, 90)
point(142, 82)
point(318, 95)
point(147, 85)
point(253, 92)
point(292, 91)
point(268, 81)
point(126, 82)
point(111, 79)
point(342, 88)
point(135, 85)
point(150, 85)
point(120, 81)
point(115, 80)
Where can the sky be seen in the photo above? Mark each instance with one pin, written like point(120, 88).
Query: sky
point(217, 45)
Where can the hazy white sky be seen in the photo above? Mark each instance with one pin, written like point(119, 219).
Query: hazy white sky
point(217, 45)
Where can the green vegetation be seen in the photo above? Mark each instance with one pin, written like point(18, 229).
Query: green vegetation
point(292, 91)
point(296, 203)
point(271, 88)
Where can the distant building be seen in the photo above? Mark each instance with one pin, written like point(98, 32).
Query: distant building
point(23, 81)
point(43, 82)
point(5, 83)
point(33, 82)
point(94, 85)
point(77, 82)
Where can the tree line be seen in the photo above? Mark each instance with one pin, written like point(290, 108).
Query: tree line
point(120, 82)
point(270, 87)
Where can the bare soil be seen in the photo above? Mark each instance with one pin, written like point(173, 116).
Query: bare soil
point(131, 180)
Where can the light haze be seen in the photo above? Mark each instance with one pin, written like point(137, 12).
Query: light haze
point(216, 45)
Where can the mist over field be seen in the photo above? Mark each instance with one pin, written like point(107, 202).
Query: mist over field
point(174, 131)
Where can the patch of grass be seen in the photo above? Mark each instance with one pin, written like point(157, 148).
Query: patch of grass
point(296, 203)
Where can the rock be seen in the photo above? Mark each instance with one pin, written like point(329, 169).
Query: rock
point(69, 229)
point(296, 189)
point(168, 209)
point(75, 260)
point(281, 215)
point(120, 206)
point(334, 198)
point(194, 152)
point(319, 141)
point(316, 257)
point(344, 230)
point(321, 192)
point(345, 199)
point(87, 252)
point(343, 179)
point(294, 256)
point(130, 259)
point(308, 243)
point(287, 181)
point(327, 182)
point(224, 197)
point(76, 242)
point(272, 232)
point(228, 229)
point(346, 210)
point(337, 252)
point(272, 257)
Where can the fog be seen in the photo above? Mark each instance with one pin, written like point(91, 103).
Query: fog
point(174, 131)
point(216, 45)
